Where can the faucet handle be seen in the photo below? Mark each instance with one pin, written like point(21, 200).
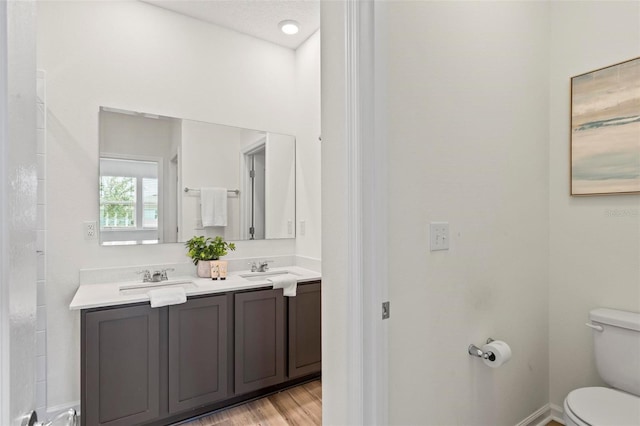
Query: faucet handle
point(254, 266)
point(147, 275)
point(163, 273)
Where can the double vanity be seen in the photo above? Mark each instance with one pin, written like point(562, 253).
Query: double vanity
point(232, 341)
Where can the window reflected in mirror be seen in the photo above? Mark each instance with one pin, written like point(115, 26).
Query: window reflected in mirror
point(128, 201)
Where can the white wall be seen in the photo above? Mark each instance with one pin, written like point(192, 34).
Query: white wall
point(280, 178)
point(136, 135)
point(210, 158)
point(467, 113)
point(308, 148)
point(134, 56)
point(594, 250)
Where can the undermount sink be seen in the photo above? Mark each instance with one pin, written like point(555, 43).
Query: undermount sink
point(143, 288)
point(261, 276)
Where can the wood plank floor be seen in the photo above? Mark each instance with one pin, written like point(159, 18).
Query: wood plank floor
point(300, 405)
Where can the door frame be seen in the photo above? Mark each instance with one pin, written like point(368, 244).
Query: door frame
point(365, 126)
point(4, 273)
point(245, 183)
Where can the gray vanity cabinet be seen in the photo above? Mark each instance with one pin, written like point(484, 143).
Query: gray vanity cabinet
point(305, 337)
point(197, 353)
point(158, 366)
point(259, 340)
point(121, 361)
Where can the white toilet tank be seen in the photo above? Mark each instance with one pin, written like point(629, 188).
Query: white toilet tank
point(617, 348)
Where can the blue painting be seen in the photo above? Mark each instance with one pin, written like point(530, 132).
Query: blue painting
point(605, 130)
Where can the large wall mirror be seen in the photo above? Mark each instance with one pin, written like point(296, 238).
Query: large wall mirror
point(162, 180)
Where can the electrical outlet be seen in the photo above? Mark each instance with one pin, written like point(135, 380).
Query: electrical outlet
point(90, 230)
point(439, 235)
point(303, 227)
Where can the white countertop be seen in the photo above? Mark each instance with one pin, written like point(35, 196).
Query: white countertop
point(108, 294)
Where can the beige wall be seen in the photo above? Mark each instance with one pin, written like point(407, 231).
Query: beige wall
point(468, 144)
point(594, 251)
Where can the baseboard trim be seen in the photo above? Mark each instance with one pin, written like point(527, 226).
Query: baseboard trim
point(538, 417)
point(557, 413)
point(543, 415)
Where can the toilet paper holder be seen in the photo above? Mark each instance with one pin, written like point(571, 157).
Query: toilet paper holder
point(476, 351)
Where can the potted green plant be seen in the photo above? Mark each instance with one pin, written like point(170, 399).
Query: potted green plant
point(203, 250)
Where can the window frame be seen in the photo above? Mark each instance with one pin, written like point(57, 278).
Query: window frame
point(139, 233)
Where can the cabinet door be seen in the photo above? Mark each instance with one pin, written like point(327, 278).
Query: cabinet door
point(305, 338)
point(197, 353)
point(259, 340)
point(121, 355)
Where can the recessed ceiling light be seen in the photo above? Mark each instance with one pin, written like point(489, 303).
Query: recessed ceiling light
point(289, 27)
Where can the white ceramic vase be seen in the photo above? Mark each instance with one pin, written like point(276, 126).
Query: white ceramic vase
point(204, 269)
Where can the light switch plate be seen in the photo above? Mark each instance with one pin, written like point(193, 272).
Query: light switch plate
point(439, 236)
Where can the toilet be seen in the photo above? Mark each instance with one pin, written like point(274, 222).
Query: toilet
point(616, 337)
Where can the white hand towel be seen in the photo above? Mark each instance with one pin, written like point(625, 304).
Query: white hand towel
point(287, 282)
point(213, 206)
point(167, 296)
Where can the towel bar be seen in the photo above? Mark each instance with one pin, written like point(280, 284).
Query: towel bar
point(186, 189)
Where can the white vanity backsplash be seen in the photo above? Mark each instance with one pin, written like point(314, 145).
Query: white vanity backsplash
point(128, 273)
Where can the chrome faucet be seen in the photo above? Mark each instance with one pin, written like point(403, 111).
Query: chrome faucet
point(157, 276)
point(261, 266)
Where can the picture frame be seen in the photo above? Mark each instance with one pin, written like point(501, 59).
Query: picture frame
point(605, 130)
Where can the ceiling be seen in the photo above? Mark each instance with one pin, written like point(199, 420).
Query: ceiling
point(258, 18)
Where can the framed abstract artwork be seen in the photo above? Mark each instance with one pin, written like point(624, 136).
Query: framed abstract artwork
point(605, 130)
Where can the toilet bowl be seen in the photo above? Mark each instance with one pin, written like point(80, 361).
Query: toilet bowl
point(616, 337)
point(598, 406)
